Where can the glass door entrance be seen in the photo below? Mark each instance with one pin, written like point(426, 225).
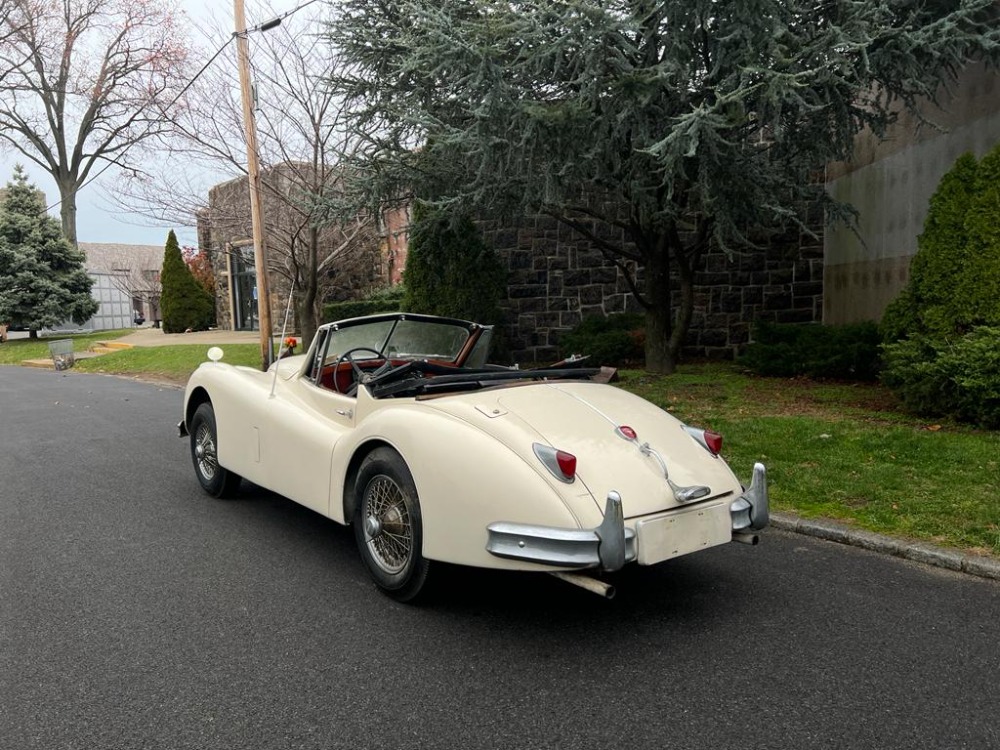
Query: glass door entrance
point(244, 280)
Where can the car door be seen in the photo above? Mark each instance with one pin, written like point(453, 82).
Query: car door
point(303, 422)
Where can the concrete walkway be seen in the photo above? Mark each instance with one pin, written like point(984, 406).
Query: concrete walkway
point(148, 336)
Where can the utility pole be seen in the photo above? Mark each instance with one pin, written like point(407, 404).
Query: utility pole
point(253, 175)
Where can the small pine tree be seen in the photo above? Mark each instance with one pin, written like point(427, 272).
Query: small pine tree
point(450, 270)
point(42, 277)
point(184, 303)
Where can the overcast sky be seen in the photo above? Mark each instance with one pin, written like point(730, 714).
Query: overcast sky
point(98, 220)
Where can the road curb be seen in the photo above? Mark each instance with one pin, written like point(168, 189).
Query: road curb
point(940, 557)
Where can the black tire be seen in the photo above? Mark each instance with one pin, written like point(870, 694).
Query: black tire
point(215, 480)
point(388, 527)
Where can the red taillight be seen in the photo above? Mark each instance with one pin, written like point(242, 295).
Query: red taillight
point(567, 463)
point(710, 441)
point(561, 464)
point(627, 432)
point(713, 441)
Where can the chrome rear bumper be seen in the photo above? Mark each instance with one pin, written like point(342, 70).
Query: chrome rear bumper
point(751, 510)
point(611, 544)
point(608, 546)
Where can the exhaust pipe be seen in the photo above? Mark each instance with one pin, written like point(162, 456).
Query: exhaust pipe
point(744, 538)
point(592, 585)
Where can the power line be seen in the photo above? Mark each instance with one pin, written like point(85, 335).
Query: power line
point(268, 25)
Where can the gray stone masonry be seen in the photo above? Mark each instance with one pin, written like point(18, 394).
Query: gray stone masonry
point(557, 277)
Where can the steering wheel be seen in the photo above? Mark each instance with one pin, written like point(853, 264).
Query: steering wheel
point(359, 374)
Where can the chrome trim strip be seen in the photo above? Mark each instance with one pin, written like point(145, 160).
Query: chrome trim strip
point(608, 546)
point(682, 494)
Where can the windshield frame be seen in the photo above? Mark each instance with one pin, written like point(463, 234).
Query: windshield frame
point(474, 334)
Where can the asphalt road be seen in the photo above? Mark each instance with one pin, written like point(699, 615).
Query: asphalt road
point(135, 612)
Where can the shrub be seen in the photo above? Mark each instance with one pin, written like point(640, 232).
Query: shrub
point(615, 340)
point(384, 300)
point(955, 276)
point(844, 352)
point(979, 284)
point(959, 379)
point(184, 303)
point(450, 270)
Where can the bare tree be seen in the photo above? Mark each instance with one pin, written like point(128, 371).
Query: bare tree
point(300, 137)
point(82, 82)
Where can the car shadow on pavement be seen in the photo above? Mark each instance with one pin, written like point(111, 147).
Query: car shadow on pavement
point(680, 590)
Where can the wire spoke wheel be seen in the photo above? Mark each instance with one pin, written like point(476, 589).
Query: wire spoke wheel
point(214, 478)
point(387, 529)
point(206, 458)
point(387, 525)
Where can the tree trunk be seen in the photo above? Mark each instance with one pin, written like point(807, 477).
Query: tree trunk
point(685, 311)
point(305, 309)
point(67, 209)
point(665, 335)
point(659, 325)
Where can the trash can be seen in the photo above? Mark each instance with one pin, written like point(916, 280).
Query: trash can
point(62, 353)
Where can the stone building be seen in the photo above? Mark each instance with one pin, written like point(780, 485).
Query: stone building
point(352, 260)
point(126, 283)
point(840, 276)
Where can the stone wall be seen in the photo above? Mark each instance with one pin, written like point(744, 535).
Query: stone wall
point(557, 277)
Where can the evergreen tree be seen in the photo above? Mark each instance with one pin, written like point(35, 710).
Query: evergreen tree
point(184, 303)
point(42, 279)
point(680, 125)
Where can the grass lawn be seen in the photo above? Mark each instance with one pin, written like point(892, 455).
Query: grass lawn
point(13, 351)
point(175, 362)
point(844, 451)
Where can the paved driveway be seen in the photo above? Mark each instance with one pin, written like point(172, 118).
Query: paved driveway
point(137, 613)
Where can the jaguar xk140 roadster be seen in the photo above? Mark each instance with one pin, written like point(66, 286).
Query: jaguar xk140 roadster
point(396, 425)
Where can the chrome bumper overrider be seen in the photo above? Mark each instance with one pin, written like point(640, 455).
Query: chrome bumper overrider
point(611, 544)
point(750, 510)
point(608, 546)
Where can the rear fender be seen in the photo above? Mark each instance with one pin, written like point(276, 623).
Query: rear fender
point(465, 481)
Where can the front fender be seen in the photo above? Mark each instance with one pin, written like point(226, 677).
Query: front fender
point(237, 396)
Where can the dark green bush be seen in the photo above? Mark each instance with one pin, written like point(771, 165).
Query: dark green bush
point(845, 352)
point(389, 299)
point(450, 270)
point(954, 281)
point(184, 303)
point(959, 379)
point(615, 340)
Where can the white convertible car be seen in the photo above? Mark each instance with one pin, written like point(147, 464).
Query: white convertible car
point(396, 425)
